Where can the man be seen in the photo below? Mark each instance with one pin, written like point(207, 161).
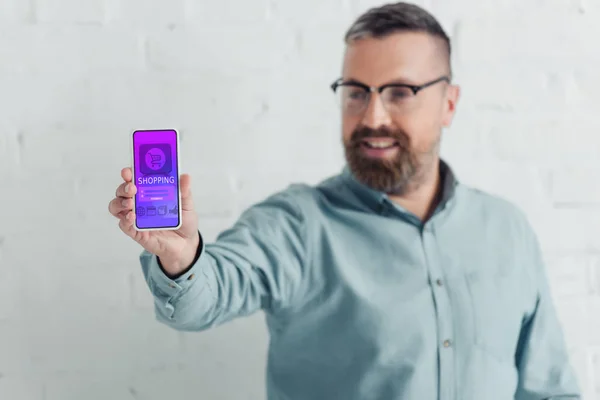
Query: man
point(390, 280)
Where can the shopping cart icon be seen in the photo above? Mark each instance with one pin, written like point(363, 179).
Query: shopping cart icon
point(155, 158)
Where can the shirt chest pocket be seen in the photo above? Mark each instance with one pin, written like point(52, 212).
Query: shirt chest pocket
point(494, 303)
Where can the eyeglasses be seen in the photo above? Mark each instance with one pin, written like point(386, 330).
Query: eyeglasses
point(354, 97)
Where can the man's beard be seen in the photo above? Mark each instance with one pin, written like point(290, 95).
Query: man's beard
point(395, 176)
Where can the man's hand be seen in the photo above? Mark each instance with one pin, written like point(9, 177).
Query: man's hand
point(176, 249)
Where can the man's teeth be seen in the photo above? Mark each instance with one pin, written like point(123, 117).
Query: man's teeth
point(380, 144)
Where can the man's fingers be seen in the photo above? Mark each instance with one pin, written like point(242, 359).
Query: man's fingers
point(119, 205)
point(126, 223)
point(187, 203)
point(126, 189)
point(126, 174)
point(122, 205)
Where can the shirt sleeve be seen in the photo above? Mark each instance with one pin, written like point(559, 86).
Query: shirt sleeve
point(545, 371)
point(257, 264)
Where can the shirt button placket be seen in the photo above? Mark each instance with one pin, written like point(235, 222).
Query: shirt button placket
point(433, 261)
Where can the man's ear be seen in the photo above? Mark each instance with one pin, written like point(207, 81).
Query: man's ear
point(451, 102)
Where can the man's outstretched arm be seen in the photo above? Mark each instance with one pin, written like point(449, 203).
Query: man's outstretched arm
point(256, 264)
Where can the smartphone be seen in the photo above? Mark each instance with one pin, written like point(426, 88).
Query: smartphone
point(155, 159)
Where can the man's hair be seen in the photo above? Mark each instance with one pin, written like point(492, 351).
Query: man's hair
point(398, 17)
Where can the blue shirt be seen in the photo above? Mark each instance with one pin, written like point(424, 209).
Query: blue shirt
point(364, 301)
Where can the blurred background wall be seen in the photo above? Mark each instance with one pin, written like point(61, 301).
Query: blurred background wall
point(246, 82)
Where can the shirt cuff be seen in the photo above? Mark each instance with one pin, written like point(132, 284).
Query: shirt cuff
point(171, 287)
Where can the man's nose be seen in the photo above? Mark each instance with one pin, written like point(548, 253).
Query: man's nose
point(376, 115)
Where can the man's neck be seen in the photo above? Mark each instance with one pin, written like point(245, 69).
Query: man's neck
point(422, 200)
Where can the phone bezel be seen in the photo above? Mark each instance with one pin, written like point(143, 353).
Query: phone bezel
point(177, 152)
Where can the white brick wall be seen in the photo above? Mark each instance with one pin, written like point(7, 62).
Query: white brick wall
point(246, 82)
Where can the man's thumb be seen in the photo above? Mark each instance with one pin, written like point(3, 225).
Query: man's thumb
point(187, 203)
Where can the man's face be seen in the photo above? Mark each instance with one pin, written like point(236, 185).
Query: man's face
point(391, 144)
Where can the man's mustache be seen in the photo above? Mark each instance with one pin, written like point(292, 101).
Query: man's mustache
point(364, 133)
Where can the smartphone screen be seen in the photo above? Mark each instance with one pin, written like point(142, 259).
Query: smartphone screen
point(156, 176)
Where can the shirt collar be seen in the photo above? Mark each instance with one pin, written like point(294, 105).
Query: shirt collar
point(376, 199)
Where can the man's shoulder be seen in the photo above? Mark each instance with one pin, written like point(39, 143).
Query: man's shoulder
point(305, 195)
point(484, 198)
point(296, 197)
point(491, 206)
point(305, 200)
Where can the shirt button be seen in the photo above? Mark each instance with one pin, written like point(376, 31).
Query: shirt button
point(439, 282)
point(191, 277)
point(171, 285)
point(447, 343)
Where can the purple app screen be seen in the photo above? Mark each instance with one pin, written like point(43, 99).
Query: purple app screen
point(155, 174)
